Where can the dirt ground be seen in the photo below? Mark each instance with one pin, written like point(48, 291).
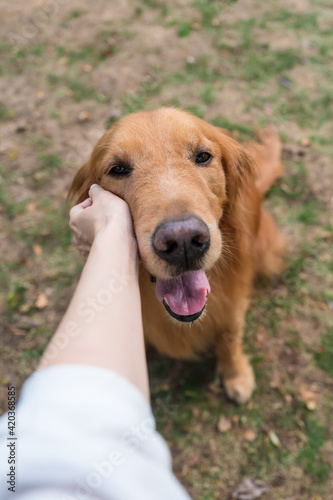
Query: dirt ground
point(69, 69)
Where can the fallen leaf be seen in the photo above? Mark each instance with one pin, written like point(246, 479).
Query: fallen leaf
point(305, 142)
point(249, 435)
point(311, 405)
point(31, 207)
point(250, 489)
point(37, 249)
point(15, 331)
point(274, 439)
point(41, 301)
point(235, 420)
point(24, 308)
point(84, 116)
point(224, 424)
point(309, 397)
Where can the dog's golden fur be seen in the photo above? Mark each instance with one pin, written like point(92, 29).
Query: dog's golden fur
point(167, 184)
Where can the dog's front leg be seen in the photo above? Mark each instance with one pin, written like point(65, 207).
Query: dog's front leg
point(233, 364)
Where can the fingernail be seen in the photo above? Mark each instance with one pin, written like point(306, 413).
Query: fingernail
point(93, 186)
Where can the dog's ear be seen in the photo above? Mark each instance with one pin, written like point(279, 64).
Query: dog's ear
point(81, 183)
point(237, 162)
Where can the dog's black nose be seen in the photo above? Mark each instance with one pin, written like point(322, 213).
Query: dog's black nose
point(182, 242)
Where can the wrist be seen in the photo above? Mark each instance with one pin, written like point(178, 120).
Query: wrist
point(116, 245)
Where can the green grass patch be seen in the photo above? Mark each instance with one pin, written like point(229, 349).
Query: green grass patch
point(209, 9)
point(310, 456)
point(184, 29)
point(261, 65)
point(307, 22)
point(49, 161)
point(308, 213)
point(4, 113)
point(243, 132)
point(75, 13)
point(16, 297)
point(324, 357)
point(80, 90)
point(15, 208)
point(88, 54)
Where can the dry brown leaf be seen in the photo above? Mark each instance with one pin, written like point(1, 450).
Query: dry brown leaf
point(224, 424)
point(24, 308)
point(84, 116)
point(41, 301)
point(309, 397)
point(235, 420)
point(31, 207)
point(15, 331)
point(305, 142)
point(249, 435)
point(37, 249)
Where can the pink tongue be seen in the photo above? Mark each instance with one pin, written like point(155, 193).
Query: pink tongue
point(186, 294)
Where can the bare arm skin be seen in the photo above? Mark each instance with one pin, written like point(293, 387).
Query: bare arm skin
point(103, 323)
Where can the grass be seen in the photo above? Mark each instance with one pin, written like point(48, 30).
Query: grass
point(49, 161)
point(209, 12)
point(4, 113)
point(324, 357)
point(307, 22)
point(262, 65)
point(16, 297)
point(76, 88)
point(310, 456)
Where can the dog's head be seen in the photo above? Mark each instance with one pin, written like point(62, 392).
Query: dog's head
point(178, 175)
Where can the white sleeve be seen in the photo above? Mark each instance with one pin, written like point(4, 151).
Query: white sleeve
point(83, 433)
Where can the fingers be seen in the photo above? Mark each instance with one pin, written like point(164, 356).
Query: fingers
point(86, 203)
point(81, 206)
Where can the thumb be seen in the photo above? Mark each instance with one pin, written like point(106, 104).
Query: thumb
point(94, 191)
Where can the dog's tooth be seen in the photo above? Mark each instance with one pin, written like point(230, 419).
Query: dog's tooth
point(165, 300)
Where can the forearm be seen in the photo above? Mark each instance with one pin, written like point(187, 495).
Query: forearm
point(103, 323)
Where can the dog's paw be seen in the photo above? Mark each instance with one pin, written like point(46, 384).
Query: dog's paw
point(240, 388)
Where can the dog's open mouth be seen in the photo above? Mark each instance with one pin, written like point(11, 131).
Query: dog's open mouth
point(184, 297)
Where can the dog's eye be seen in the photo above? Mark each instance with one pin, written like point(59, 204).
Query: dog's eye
point(203, 157)
point(119, 170)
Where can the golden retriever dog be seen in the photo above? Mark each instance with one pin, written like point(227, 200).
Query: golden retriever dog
point(195, 196)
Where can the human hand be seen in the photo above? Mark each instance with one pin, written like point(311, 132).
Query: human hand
point(100, 213)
